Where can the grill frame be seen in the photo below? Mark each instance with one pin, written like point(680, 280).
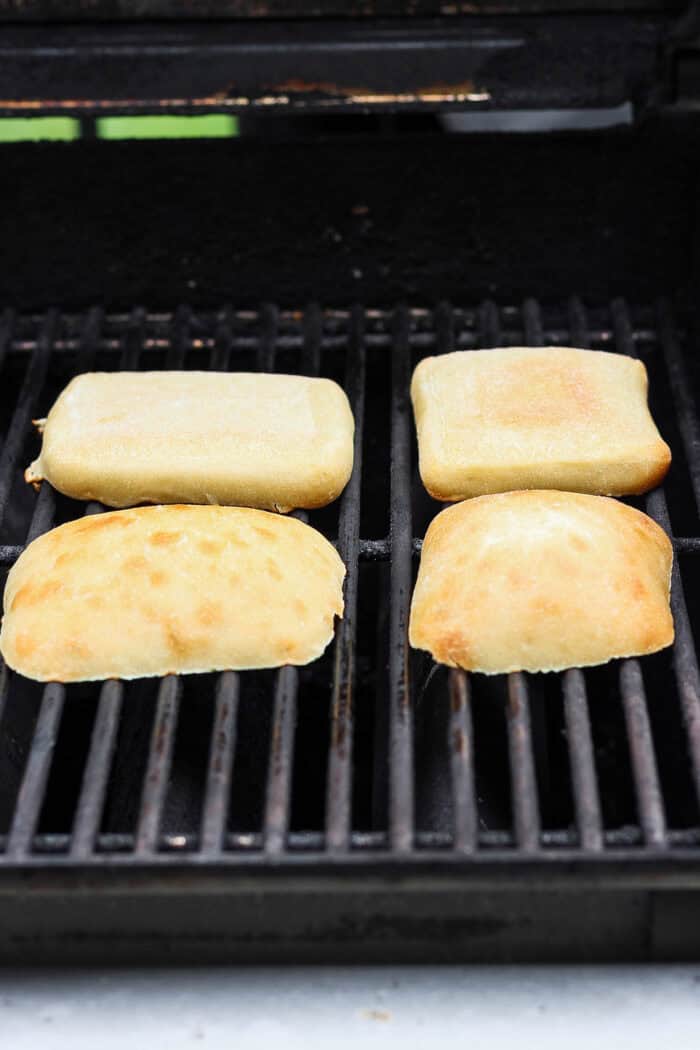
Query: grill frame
point(399, 891)
point(652, 856)
point(207, 9)
point(324, 66)
point(523, 889)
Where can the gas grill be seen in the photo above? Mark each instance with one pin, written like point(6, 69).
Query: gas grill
point(370, 805)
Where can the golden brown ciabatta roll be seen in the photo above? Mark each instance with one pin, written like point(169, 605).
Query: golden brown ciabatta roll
point(535, 418)
point(541, 581)
point(165, 590)
point(242, 439)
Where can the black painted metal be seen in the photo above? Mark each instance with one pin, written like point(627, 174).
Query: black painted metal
point(644, 768)
point(97, 768)
point(335, 65)
point(461, 733)
point(581, 756)
point(522, 765)
point(339, 787)
point(160, 756)
point(87, 10)
point(279, 778)
point(223, 745)
point(31, 794)
point(33, 383)
point(401, 788)
point(340, 221)
point(684, 652)
point(682, 394)
point(284, 780)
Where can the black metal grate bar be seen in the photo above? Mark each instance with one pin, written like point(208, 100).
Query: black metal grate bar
point(4, 687)
point(684, 653)
point(445, 328)
point(578, 323)
point(532, 323)
point(582, 762)
point(44, 511)
point(460, 729)
point(522, 765)
point(685, 659)
point(435, 844)
point(268, 338)
point(576, 711)
point(162, 741)
point(644, 769)
point(284, 718)
point(223, 343)
point(36, 774)
point(489, 325)
point(175, 358)
point(279, 778)
point(89, 340)
point(42, 520)
point(223, 735)
point(33, 382)
point(521, 715)
point(223, 746)
point(462, 757)
point(686, 544)
point(370, 550)
point(7, 323)
point(681, 390)
point(339, 787)
point(347, 339)
point(641, 745)
point(245, 329)
point(159, 762)
point(622, 328)
point(104, 734)
point(132, 344)
point(313, 336)
point(401, 788)
point(97, 768)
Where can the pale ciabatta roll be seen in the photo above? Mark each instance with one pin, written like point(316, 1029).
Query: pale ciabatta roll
point(535, 418)
point(241, 439)
point(170, 590)
point(541, 581)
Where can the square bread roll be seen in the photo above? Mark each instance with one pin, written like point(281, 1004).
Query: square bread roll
point(170, 590)
point(541, 581)
point(234, 438)
point(528, 418)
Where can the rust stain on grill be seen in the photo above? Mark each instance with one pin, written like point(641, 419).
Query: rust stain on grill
point(458, 690)
point(463, 91)
point(288, 93)
point(341, 713)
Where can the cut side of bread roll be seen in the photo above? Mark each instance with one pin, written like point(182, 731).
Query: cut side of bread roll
point(170, 590)
point(535, 418)
point(276, 442)
point(541, 581)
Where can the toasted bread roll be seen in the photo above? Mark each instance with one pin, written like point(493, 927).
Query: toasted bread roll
point(528, 418)
point(165, 590)
point(243, 439)
point(541, 581)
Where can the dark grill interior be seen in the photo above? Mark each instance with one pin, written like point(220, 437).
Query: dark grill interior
point(371, 751)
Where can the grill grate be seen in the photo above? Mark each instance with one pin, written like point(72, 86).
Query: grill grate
point(371, 752)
